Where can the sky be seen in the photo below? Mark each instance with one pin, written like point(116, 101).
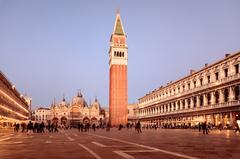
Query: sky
point(53, 48)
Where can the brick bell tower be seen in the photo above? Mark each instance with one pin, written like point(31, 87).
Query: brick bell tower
point(118, 57)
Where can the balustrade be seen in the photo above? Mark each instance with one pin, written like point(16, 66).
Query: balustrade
point(212, 106)
point(219, 82)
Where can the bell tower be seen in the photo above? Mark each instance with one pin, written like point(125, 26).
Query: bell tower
point(118, 57)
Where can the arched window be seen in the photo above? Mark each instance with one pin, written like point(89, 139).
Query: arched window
point(201, 100)
point(226, 72)
point(189, 103)
point(115, 54)
point(183, 104)
point(194, 84)
point(217, 97)
point(236, 68)
point(194, 101)
point(226, 95)
point(122, 54)
point(236, 92)
point(209, 98)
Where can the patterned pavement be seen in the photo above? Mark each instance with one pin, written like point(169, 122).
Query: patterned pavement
point(128, 144)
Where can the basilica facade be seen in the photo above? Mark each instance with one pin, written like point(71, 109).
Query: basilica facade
point(211, 94)
point(77, 111)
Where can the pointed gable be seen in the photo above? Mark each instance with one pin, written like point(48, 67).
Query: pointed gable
point(118, 28)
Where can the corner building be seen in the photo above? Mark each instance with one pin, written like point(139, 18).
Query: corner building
point(210, 94)
point(14, 108)
point(118, 54)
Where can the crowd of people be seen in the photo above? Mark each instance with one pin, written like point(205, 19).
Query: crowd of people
point(36, 127)
point(52, 127)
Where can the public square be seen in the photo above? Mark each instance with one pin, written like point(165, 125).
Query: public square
point(128, 144)
point(119, 79)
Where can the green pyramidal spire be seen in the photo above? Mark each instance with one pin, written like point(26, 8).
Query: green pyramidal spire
point(118, 26)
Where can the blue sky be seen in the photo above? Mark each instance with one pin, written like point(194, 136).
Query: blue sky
point(51, 48)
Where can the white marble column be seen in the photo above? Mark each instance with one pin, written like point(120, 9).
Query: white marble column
point(168, 107)
point(191, 102)
point(231, 94)
point(205, 100)
point(221, 96)
point(176, 106)
point(213, 100)
point(198, 102)
point(181, 105)
point(186, 103)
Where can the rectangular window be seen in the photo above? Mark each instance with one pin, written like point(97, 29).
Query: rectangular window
point(188, 85)
point(237, 68)
point(216, 76)
point(209, 79)
point(226, 72)
point(194, 83)
point(201, 81)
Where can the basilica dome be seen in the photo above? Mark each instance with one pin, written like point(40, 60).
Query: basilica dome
point(79, 100)
point(63, 103)
point(96, 104)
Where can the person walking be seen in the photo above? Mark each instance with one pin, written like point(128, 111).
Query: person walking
point(237, 128)
point(79, 127)
point(220, 126)
point(30, 128)
point(42, 126)
point(199, 126)
point(120, 127)
point(204, 128)
point(55, 127)
point(94, 127)
point(23, 125)
point(17, 127)
point(108, 127)
point(138, 127)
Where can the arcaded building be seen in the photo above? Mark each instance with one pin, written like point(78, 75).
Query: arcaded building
point(77, 111)
point(14, 108)
point(210, 94)
point(118, 91)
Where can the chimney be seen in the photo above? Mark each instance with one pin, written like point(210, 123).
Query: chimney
point(192, 71)
point(206, 64)
point(226, 55)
